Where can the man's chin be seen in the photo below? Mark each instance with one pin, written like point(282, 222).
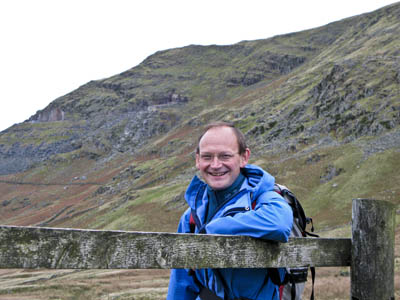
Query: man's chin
point(218, 184)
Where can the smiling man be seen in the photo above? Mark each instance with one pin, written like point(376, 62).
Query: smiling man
point(221, 156)
point(233, 198)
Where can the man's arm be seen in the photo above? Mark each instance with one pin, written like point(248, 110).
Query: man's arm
point(271, 219)
point(181, 284)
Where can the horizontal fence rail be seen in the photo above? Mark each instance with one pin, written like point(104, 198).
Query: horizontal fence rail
point(370, 252)
point(56, 248)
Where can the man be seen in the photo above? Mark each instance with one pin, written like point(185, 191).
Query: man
point(223, 205)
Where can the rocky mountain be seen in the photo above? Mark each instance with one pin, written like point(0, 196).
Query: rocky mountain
point(320, 109)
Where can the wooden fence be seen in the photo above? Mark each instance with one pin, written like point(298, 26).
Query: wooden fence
point(370, 252)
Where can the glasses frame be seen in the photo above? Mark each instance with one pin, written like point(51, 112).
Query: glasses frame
point(222, 157)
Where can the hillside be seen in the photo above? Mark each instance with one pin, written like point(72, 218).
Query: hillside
point(320, 109)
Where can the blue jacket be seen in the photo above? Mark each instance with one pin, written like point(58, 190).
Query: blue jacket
point(271, 219)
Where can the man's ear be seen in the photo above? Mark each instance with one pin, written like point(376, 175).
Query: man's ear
point(198, 161)
point(244, 158)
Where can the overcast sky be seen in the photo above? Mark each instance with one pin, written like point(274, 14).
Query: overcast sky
point(51, 47)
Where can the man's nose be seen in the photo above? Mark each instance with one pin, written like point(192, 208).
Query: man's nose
point(215, 163)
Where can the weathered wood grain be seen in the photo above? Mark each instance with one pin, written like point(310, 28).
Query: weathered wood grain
point(34, 247)
point(372, 267)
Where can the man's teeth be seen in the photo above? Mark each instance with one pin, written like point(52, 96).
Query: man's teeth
point(218, 174)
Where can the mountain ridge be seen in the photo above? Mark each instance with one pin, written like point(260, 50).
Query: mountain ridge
point(319, 107)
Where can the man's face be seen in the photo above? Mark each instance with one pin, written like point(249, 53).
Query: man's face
point(219, 160)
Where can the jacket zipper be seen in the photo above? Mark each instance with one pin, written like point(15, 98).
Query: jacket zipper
point(236, 210)
point(225, 202)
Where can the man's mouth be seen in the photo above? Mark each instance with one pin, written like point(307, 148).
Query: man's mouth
point(218, 174)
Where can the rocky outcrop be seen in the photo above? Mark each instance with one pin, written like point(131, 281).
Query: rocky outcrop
point(20, 157)
point(168, 98)
point(266, 65)
point(49, 115)
point(341, 102)
point(330, 173)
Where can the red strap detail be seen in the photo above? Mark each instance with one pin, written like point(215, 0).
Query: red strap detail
point(281, 291)
point(192, 224)
point(191, 221)
point(253, 204)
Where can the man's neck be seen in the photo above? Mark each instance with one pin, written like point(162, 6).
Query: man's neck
point(218, 197)
point(231, 190)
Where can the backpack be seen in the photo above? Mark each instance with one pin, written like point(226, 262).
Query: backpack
point(292, 287)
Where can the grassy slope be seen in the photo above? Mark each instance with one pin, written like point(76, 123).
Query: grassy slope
point(145, 192)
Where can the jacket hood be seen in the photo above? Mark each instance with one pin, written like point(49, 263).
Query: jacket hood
point(257, 181)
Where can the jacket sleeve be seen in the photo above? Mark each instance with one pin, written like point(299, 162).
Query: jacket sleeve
point(181, 284)
point(271, 219)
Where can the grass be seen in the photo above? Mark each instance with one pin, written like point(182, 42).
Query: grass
point(140, 213)
point(38, 133)
point(90, 284)
point(329, 203)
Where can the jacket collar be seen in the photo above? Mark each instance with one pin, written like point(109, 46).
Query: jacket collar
point(257, 181)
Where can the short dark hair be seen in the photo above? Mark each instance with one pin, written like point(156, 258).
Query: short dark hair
point(241, 140)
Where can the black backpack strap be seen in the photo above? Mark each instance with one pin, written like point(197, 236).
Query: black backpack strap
point(311, 234)
point(275, 277)
point(292, 281)
point(194, 220)
point(206, 293)
point(313, 280)
point(293, 291)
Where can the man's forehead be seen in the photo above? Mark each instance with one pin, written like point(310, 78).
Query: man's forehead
point(219, 135)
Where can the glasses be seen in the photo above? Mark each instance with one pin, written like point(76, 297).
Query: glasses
point(225, 157)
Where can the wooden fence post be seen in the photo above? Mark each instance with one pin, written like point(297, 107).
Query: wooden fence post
point(372, 262)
